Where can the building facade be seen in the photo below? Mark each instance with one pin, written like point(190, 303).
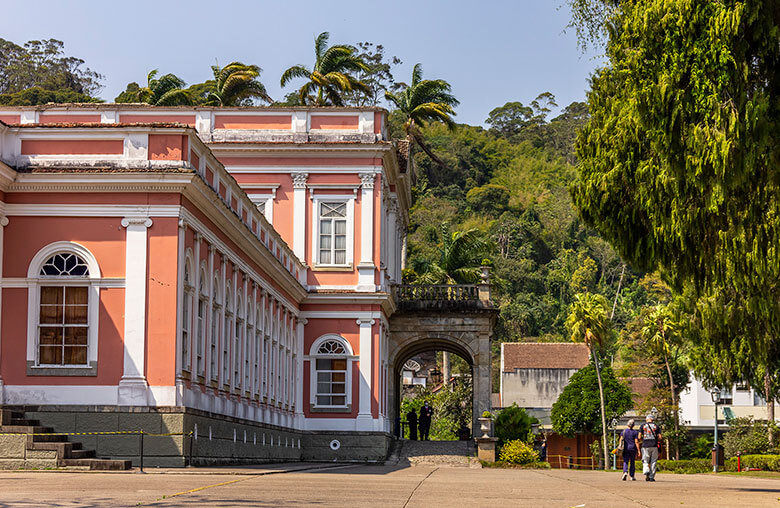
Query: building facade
point(222, 271)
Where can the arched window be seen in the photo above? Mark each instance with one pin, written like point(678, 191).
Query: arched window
point(203, 296)
point(215, 319)
point(227, 332)
point(331, 358)
point(258, 341)
point(63, 300)
point(186, 314)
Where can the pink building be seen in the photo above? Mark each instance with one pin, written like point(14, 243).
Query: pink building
point(221, 271)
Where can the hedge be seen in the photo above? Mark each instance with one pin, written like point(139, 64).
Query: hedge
point(762, 462)
point(686, 466)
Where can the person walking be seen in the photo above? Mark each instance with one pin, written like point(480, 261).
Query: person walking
point(628, 439)
point(411, 419)
point(426, 412)
point(650, 439)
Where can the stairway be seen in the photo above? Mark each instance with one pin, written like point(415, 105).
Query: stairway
point(45, 451)
point(433, 453)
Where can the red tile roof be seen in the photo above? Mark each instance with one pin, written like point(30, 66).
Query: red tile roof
point(544, 355)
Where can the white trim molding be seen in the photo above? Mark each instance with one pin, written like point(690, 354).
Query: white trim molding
point(299, 215)
point(364, 418)
point(347, 199)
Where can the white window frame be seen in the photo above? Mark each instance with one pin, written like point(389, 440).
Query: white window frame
point(267, 200)
point(36, 281)
point(228, 321)
point(349, 200)
point(238, 335)
point(215, 323)
point(313, 356)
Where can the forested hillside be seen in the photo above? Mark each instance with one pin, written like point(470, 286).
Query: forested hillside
point(511, 183)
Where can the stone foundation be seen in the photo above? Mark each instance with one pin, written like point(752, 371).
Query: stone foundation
point(221, 440)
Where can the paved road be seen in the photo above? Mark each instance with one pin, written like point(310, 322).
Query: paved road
point(379, 486)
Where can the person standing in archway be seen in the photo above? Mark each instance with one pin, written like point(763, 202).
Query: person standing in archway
point(411, 419)
point(426, 412)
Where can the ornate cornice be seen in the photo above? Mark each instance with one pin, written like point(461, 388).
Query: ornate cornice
point(367, 180)
point(299, 180)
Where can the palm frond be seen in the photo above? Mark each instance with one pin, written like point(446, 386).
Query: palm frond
point(296, 71)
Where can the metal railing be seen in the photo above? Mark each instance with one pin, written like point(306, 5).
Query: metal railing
point(436, 296)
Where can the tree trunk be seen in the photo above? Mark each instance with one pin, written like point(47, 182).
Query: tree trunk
point(617, 293)
point(770, 407)
point(675, 416)
point(445, 367)
point(421, 143)
point(603, 409)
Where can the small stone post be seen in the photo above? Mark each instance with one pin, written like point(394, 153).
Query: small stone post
point(484, 286)
point(486, 444)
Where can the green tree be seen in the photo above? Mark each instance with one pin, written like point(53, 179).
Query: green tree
point(235, 84)
point(460, 257)
point(513, 423)
point(589, 322)
point(423, 101)
point(378, 77)
point(508, 120)
point(578, 405)
point(42, 65)
point(488, 198)
point(331, 76)
point(660, 332)
point(678, 161)
point(167, 90)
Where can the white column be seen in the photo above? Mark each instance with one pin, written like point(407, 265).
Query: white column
point(133, 386)
point(3, 224)
point(364, 418)
point(392, 242)
point(196, 303)
point(180, 315)
point(301, 323)
point(299, 215)
point(366, 281)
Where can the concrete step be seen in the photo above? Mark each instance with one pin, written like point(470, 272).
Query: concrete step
point(63, 449)
point(97, 464)
point(81, 454)
point(24, 422)
point(436, 453)
point(47, 438)
point(25, 429)
point(6, 415)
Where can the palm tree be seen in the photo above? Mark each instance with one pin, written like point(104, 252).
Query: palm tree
point(330, 76)
point(167, 90)
point(235, 84)
point(659, 331)
point(425, 100)
point(460, 258)
point(589, 322)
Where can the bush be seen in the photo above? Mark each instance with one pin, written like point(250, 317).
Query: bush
point(685, 466)
point(762, 462)
point(747, 436)
point(507, 465)
point(699, 448)
point(513, 423)
point(518, 452)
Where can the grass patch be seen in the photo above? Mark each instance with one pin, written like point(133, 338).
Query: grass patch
point(772, 475)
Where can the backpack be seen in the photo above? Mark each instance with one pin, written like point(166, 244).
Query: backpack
point(649, 431)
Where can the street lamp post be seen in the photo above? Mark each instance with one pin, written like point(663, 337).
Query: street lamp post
point(614, 443)
point(715, 394)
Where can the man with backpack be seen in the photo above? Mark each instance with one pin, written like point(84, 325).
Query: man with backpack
point(649, 441)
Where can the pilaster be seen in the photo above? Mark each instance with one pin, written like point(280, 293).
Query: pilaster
point(3, 224)
point(366, 267)
point(299, 215)
point(364, 418)
point(133, 387)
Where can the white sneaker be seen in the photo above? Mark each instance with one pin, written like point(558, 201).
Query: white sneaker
point(625, 475)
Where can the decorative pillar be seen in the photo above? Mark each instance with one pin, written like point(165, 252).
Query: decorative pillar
point(299, 331)
point(364, 418)
point(133, 386)
point(299, 215)
point(366, 281)
point(393, 241)
point(180, 387)
point(3, 224)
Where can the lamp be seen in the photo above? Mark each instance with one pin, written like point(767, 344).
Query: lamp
point(614, 423)
point(715, 394)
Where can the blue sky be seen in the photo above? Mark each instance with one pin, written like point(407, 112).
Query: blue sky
point(491, 51)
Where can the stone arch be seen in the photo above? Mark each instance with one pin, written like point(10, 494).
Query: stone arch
point(466, 334)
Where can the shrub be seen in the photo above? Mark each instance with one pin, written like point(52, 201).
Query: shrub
point(746, 436)
point(699, 448)
point(762, 462)
point(685, 466)
point(513, 423)
point(487, 414)
point(518, 452)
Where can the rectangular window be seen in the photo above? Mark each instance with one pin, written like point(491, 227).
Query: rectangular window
point(331, 382)
point(226, 349)
point(214, 342)
point(185, 332)
point(333, 233)
point(237, 355)
point(200, 334)
point(256, 376)
point(63, 326)
point(265, 368)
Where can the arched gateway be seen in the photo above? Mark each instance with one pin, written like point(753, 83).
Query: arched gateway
point(454, 318)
